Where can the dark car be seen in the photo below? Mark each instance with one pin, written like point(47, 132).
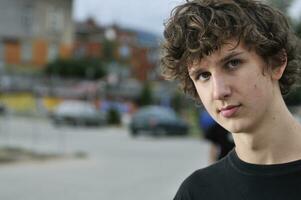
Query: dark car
point(3, 109)
point(77, 113)
point(157, 120)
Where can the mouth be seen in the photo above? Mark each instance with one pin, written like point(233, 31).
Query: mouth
point(229, 111)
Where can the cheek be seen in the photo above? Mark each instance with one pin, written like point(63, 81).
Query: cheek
point(207, 101)
point(204, 96)
point(257, 92)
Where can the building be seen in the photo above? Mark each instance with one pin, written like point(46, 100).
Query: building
point(145, 59)
point(88, 39)
point(34, 32)
point(133, 48)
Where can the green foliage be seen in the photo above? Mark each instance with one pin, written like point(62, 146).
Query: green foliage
point(76, 68)
point(282, 5)
point(177, 102)
point(298, 29)
point(294, 98)
point(109, 49)
point(146, 95)
point(113, 117)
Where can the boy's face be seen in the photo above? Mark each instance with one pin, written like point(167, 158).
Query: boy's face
point(235, 87)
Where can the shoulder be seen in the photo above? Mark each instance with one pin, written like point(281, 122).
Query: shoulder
point(203, 183)
point(208, 174)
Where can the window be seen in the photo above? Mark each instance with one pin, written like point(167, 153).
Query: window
point(53, 52)
point(1, 56)
point(27, 18)
point(1, 51)
point(55, 19)
point(26, 52)
point(124, 51)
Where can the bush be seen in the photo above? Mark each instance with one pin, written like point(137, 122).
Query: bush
point(177, 102)
point(146, 95)
point(294, 98)
point(76, 68)
point(113, 117)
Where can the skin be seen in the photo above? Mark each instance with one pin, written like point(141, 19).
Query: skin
point(240, 92)
point(213, 153)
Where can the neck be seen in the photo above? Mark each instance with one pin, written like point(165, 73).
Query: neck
point(276, 140)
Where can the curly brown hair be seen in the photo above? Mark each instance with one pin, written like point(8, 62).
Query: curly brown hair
point(199, 27)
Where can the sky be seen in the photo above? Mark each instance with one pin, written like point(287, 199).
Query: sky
point(148, 15)
point(295, 9)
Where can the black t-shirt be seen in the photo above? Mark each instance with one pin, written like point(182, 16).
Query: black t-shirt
point(234, 179)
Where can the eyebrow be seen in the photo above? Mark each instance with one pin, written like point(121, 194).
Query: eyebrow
point(228, 57)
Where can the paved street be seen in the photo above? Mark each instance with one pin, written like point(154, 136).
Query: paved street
point(117, 167)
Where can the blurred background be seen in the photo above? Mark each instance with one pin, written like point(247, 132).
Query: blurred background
point(84, 110)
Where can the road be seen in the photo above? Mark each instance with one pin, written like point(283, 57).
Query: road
point(117, 166)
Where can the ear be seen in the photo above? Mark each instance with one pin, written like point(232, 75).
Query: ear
point(277, 72)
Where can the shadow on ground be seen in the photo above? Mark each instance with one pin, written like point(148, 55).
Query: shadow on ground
point(15, 154)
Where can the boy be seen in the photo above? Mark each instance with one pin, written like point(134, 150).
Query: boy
point(238, 58)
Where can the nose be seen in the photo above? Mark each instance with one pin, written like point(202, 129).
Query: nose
point(221, 88)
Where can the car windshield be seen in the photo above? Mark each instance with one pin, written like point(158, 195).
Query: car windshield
point(157, 112)
point(75, 108)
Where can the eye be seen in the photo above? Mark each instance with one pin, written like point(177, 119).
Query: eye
point(233, 64)
point(203, 76)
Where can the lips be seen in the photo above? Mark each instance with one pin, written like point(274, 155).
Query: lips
point(229, 111)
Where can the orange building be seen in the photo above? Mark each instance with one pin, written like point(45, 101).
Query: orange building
point(35, 32)
point(88, 39)
point(129, 47)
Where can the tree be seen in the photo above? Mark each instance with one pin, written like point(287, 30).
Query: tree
point(113, 117)
point(177, 102)
point(146, 95)
point(109, 49)
point(298, 28)
point(282, 5)
point(76, 68)
point(294, 98)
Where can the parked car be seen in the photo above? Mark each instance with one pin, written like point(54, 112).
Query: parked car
point(3, 109)
point(77, 113)
point(157, 120)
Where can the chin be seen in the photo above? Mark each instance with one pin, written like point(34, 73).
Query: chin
point(237, 127)
point(236, 130)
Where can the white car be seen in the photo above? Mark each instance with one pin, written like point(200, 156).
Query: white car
point(77, 113)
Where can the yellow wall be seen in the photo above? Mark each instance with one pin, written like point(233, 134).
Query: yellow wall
point(26, 102)
point(22, 102)
point(50, 103)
